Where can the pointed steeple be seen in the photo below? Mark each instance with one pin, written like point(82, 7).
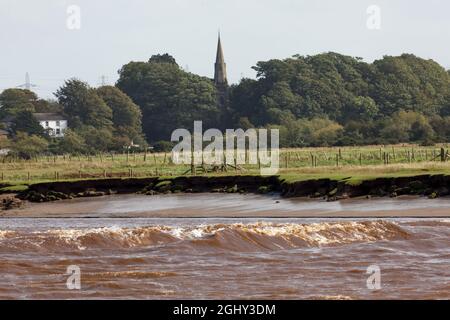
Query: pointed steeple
point(220, 73)
point(219, 56)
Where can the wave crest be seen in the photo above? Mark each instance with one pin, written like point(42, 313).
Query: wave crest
point(238, 236)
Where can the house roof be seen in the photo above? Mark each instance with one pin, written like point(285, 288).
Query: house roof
point(48, 116)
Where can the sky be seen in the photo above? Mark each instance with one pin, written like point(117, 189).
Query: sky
point(55, 40)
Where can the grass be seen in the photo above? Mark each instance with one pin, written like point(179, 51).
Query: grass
point(352, 164)
point(14, 188)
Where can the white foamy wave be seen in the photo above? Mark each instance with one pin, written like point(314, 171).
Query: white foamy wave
point(4, 234)
point(237, 236)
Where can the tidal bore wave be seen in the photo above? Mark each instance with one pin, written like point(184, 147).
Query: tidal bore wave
point(235, 237)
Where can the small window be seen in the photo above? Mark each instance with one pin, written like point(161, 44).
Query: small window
point(46, 123)
point(58, 124)
point(58, 131)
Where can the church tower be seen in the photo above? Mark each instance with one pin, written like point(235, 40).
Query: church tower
point(220, 76)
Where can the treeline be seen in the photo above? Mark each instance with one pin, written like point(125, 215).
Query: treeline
point(321, 100)
point(100, 120)
point(331, 99)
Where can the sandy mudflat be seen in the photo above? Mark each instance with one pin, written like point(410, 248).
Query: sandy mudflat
point(231, 205)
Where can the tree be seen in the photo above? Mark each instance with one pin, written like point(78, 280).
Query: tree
point(321, 131)
point(96, 139)
point(13, 101)
point(126, 115)
point(168, 97)
point(421, 131)
point(47, 106)
point(407, 126)
point(28, 146)
point(25, 122)
point(71, 143)
point(82, 105)
point(360, 108)
point(163, 58)
point(364, 98)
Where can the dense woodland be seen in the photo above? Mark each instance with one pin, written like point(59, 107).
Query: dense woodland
point(321, 100)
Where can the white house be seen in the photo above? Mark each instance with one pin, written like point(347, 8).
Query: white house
point(54, 123)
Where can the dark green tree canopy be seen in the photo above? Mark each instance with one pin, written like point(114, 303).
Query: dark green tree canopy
point(24, 121)
point(169, 97)
point(13, 101)
point(82, 105)
point(349, 92)
point(333, 85)
point(126, 116)
point(163, 58)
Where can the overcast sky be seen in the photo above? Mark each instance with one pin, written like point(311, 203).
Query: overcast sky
point(35, 38)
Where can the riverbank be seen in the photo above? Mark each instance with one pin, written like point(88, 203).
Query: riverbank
point(330, 189)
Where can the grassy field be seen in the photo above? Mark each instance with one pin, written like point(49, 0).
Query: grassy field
point(359, 163)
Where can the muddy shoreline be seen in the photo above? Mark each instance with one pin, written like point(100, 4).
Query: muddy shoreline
point(431, 186)
point(208, 205)
point(80, 196)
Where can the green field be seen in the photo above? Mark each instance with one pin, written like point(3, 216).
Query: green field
point(357, 163)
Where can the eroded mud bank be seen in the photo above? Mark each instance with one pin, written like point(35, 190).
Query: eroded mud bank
point(432, 186)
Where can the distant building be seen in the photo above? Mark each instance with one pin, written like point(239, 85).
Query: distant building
point(54, 123)
point(220, 76)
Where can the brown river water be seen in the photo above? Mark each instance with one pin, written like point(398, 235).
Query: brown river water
point(247, 247)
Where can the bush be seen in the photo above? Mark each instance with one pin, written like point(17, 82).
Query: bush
point(163, 146)
point(72, 143)
point(26, 146)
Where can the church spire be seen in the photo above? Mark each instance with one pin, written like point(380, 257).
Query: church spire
point(220, 73)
